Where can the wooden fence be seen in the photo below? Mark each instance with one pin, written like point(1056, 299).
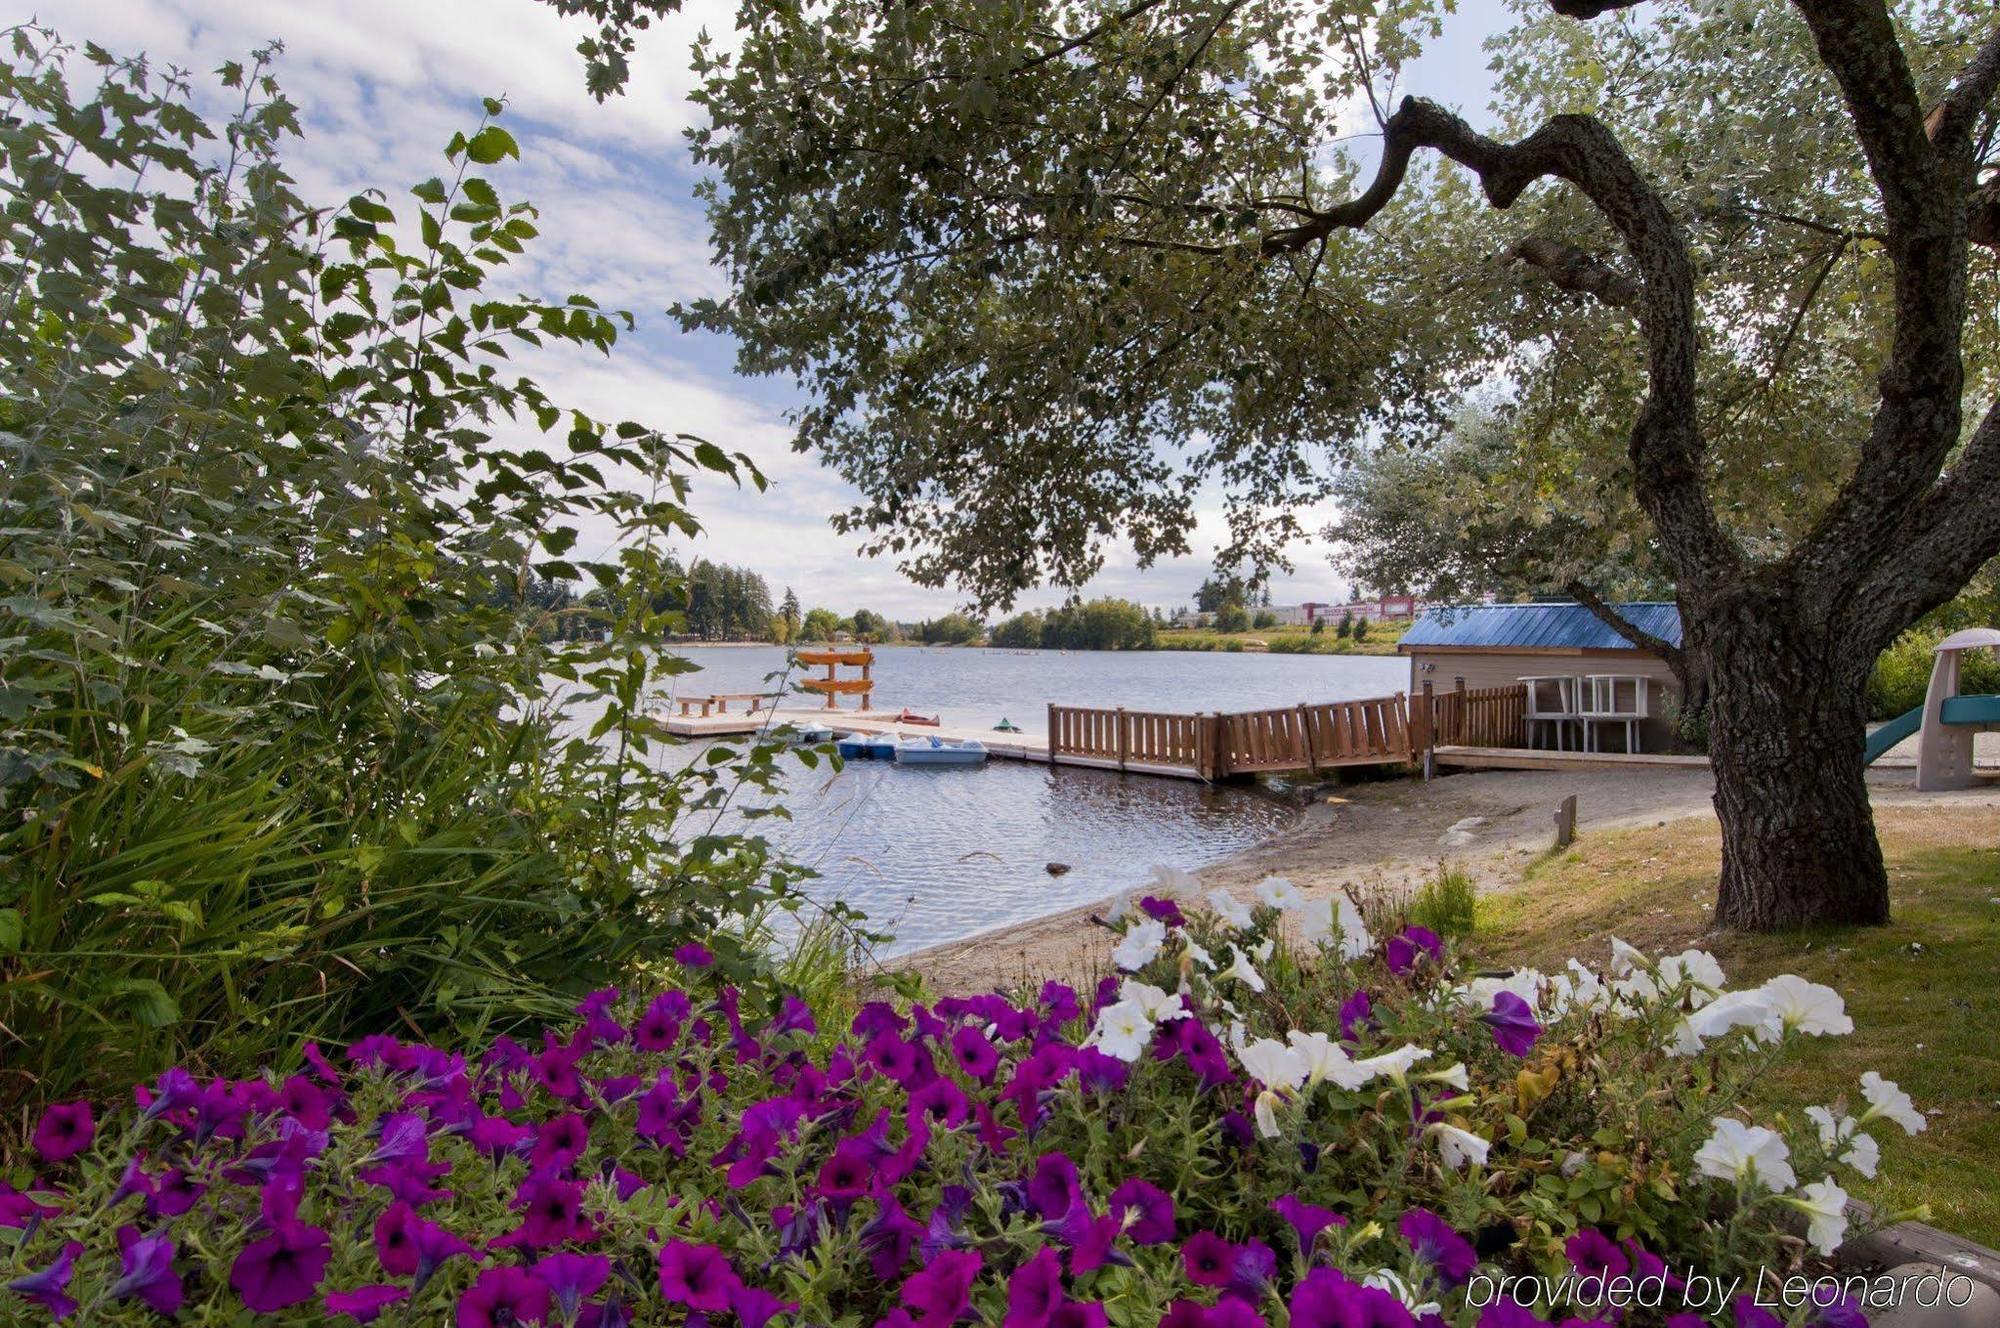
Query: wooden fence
point(1480, 717)
point(1375, 731)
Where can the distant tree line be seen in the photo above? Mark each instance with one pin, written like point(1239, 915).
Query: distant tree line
point(1099, 624)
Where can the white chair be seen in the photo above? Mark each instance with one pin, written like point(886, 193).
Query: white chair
point(1613, 698)
point(1552, 701)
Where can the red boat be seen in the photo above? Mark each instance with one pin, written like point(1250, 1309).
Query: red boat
point(912, 717)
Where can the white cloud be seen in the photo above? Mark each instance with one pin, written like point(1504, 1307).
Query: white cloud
point(382, 84)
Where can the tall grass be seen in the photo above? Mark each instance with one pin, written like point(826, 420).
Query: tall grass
point(1447, 903)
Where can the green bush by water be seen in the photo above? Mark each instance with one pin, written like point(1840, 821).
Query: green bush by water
point(1903, 673)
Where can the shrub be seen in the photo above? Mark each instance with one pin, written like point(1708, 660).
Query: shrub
point(1264, 620)
point(278, 750)
point(1172, 1148)
point(1903, 674)
point(1447, 903)
point(1232, 618)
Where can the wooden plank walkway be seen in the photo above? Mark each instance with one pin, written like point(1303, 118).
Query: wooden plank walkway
point(1523, 758)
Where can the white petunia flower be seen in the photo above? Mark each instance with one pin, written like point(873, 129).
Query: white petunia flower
point(1195, 954)
point(1451, 1078)
point(1696, 968)
point(1122, 1030)
point(1266, 1113)
point(1385, 1279)
point(1732, 1009)
point(1825, 1205)
point(1141, 943)
point(1885, 1099)
point(1316, 921)
point(1737, 1152)
point(1625, 961)
point(1243, 972)
point(1273, 1064)
point(1354, 938)
point(1864, 1155)
point(1326, 1059)
point(1121, 907)
point(1830, 1131)
point(1160, 1006)
point(1686, 1041)
point(1228, 909)
point(1261, 952)
point(1459, 1148)
point(1392, 1064)
point(1172, 882)
point(1586, 988)
point(1279, 892)
point(1806, 1007)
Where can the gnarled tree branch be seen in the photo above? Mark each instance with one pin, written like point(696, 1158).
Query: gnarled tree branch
point(1610, 617)
point(1573, 269)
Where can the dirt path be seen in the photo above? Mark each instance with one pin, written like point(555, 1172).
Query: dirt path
point(1386, 837)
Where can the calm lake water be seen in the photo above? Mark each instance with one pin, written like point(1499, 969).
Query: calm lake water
point(933, 855)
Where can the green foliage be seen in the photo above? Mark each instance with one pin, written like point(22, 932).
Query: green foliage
point(1318, 626)
point(1023, 631)
point(1232, 618)
point(954, 629)
point(278, 750)
point(1099, 624)
point(729, 604)
point(1903, 673)
point(1446, 903)
point(819, 625)
point(1264, 619)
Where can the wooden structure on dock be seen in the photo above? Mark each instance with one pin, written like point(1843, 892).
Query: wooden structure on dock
point(833, 686)
point(1215, 746)
point(719, 702)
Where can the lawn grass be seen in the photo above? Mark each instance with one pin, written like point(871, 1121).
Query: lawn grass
point(1924, 991)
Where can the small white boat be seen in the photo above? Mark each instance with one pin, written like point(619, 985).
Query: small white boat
point(881, 747)
point(939, 751)
point(812, 735)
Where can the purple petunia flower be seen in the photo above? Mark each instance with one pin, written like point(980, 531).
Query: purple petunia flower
point(939, 1293)
point(1513, 1023)
point(1325, 1298)
point(1308, 1220)
point(756, 1307)
point(146, 1272)
point(1356, 1013)
point(1509, 1313)
point(1437, 1244)
point(64, 1130)
point(1034, 1291)
point(1054, 1189)
point(697, 1276)
point(1251, 1271)
point(1749, 1314)
point(694, 955)
point(1146, 1210)
point(282, 1269)
point(570, 1278)
point(1402, 949)
point(975, 1054)
point(365, 1304)
point(942, 1102)
point(794, 1016)
point(1229, 1312)
point(502, 1297)
point(1079, 1314)
point(49, 1288)
point(1594, 1254)
point(660, 1026)
point(1208, 1258)
point(1163, 910)
point(551, 1214)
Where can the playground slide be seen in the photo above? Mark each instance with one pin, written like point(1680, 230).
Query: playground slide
point(1891, 733)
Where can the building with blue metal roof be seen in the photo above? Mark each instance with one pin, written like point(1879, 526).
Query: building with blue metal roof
point(1476, 646)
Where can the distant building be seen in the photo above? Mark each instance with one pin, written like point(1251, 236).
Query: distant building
point(1497, 645)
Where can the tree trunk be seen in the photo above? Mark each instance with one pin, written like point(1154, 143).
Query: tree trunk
point(1786, 718)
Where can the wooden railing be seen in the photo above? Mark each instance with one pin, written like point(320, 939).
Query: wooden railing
point(1375, 731)
point(1480, 717)
point(1128, 738)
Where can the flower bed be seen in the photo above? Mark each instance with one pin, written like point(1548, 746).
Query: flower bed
point(1249, 1129)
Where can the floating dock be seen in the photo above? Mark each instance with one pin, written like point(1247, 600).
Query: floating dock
point(1010, 746)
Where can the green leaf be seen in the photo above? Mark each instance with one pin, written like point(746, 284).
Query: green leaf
point(491, 144)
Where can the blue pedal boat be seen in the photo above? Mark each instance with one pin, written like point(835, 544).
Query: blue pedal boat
point(939, 751)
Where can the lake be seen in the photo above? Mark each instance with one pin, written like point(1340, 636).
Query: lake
point(934, 855)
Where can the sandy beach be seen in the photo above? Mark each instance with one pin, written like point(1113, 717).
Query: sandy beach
point(1384, 837)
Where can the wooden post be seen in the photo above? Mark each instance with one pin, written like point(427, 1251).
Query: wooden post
point(1052, 733)
point(1427, 743)
point(1306, 736)
point(1566, 822)
point(1124, 737)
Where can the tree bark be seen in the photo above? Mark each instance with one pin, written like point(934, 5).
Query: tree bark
point(1786, 714)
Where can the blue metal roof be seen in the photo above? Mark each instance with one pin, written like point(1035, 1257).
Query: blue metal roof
point(1539, 626)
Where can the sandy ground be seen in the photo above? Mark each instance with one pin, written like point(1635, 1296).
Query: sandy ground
point(1385, 837)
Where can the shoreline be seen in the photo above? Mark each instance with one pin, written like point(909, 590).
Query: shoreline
point(1382, 839)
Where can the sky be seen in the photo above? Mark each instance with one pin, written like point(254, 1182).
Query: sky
point(383, 84)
